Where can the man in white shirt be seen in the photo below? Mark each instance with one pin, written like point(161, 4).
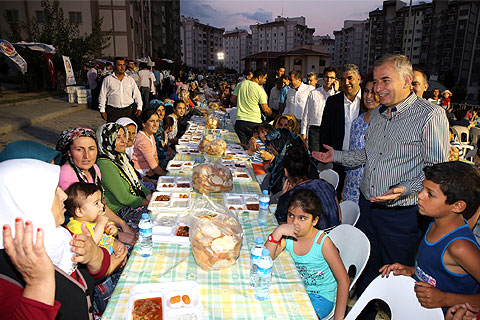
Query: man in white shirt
point(92, 76)
point(275, 95)
point(340, 110)
point(297, 96)
point(119, 94)
point(312, 117)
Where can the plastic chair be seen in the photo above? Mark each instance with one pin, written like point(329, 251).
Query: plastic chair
point(398, 293)
point(474, 134)
point(463, 136)
point(354, 249)
point(350, 212)
point(330, 176)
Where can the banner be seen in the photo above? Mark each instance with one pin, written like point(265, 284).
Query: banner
point(51, 67)
point(36, 46)
point(10, 52)
point(70, 77)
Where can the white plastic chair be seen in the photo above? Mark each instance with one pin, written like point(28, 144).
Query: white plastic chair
point(474, 135)
point(350, 212)
point(330, 176)
point(398, 292)
point(463, 135)
point(354, 249)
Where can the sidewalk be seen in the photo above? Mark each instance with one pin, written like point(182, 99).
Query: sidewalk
point(19, 115)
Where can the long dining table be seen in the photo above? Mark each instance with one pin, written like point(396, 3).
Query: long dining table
point(226, 293)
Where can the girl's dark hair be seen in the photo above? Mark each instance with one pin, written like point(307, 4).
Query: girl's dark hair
point(146, 115)
point(308, 201)
point(77, 192)
point(168, 122)
point(297, 163)
point(265, 126)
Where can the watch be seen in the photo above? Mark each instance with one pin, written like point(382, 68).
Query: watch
point(270, 238)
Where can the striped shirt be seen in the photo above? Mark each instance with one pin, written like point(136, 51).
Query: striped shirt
point(397, 149)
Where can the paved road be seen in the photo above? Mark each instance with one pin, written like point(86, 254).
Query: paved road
point(48, 131)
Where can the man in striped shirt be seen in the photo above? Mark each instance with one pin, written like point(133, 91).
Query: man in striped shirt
point(405, 134)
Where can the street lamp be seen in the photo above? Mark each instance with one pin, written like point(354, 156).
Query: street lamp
point(220, 58)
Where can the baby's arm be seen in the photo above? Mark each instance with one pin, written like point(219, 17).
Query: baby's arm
point(464, 254)
point(99, 228)
point(335, 263)
point(278, 234)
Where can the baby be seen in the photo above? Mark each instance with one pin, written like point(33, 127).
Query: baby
point(85, 205)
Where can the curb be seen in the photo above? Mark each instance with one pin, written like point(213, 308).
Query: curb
point(16, 103)
point(31, 122)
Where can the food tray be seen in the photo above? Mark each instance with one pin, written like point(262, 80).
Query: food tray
point(217, 131)
point(166, 228)
point(174, 183)
point(187, 149)
point(241, 202)
point(240, 174)
point(170, 201)
point(166, 291)
point(235, 164)
point(176, 165)
point(234, 147)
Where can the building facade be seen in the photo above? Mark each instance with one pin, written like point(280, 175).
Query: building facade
point(237, 44)
point(166, 29)
point(351, 44)
point(128, 22)
point(200, 44)
point(281, 35)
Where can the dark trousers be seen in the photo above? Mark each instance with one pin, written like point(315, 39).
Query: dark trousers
point(341, 181)
point(244, 130)
point(145, 92)
point(393, 233)
point(113, 114)
point(314, 138)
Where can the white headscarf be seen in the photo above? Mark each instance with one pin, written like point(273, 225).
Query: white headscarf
point(27, 190)
point(124, 121)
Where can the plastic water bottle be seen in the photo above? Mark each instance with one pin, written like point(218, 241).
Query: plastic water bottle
point(264, 276)
point(263, 208)
point(145, 239)
point(225, 121)
point(255, 255)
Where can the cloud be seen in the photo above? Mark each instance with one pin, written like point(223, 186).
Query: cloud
point(222, 17)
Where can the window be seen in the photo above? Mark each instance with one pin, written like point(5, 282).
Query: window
point(40, 16)
point(75, 17)
point(11, 15)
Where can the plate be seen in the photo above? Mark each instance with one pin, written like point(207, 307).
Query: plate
point(237, 202)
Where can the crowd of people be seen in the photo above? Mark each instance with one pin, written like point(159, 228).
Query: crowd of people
point(389, 146)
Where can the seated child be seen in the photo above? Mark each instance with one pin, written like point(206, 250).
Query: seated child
point(456, 151)
point(86, 206)
point(258, 151)
point(446, 269)
point(315, 256)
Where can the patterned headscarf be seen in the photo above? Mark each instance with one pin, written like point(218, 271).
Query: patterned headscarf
point(107, 136)
point(63, 145)
point(292, 122)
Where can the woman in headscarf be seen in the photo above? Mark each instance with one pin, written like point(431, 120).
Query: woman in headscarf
point(121, 184)
point(287, 121)
point(279, 142)
point(132, 129)
point(43, 208)
point(79, 149)
point(28, 149)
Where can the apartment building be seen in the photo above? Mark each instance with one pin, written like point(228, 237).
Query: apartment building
point(128, 22)
point(166, 29)
point(351, 44)
point(237, 44)
point(281, 35)
point(200, 44)
point(325, 41)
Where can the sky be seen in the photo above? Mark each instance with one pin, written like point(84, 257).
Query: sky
point(323, 15)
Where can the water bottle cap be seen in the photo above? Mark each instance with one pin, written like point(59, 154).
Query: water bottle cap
point(265, 252)
point(197, 160)
point(145, 216)
point(259, 240)
point(265, 191)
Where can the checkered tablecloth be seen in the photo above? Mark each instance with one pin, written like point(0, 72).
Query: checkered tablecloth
point(225, 294)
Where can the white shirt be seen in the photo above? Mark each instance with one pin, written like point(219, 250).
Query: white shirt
point(313, 110)
point(352, 109)
point(92, 76)
point(297, 99)
point(328, 93)
point(144, 76)
point(153, 89)
point(273, 99)
point(120, 94)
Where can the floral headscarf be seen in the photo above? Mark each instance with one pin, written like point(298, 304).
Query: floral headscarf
point(292, 122)
point(107, 136)
point(63, 145)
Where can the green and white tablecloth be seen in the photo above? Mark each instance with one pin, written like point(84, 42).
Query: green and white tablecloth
point(225, 294)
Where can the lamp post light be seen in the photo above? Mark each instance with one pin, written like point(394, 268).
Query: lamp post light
point(220, 58)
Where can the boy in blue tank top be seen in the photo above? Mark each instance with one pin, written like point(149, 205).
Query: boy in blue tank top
point(315, 256)
point(447, 267)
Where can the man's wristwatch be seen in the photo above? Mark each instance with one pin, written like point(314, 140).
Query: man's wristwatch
point(270, 238)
